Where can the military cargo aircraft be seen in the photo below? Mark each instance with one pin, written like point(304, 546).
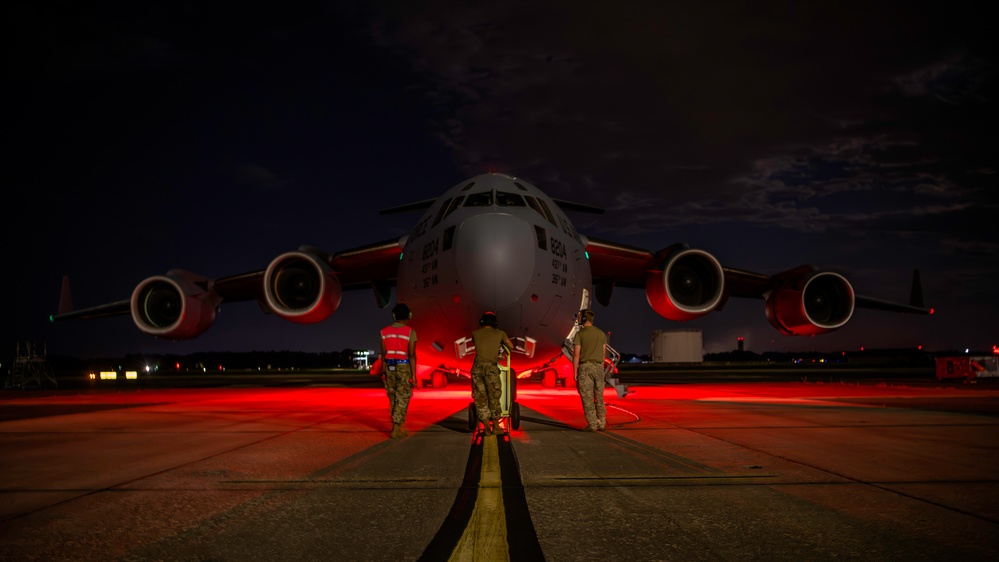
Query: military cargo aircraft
point(494, 243)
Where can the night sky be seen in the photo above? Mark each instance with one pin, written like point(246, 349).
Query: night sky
point(854, 136)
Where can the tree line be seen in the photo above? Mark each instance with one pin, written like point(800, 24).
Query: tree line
point(217, 361)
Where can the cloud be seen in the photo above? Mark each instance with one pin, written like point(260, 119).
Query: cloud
point(959, 79)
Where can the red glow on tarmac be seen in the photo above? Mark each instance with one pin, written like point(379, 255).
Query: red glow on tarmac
point(441, 403)
point(363, 412)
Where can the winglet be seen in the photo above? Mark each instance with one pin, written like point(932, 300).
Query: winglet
point(916, 296)
point(65, 297)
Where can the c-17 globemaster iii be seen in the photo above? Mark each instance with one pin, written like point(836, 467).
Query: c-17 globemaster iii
point(494, 243)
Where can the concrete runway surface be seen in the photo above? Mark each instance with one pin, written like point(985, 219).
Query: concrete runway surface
point(719, 471)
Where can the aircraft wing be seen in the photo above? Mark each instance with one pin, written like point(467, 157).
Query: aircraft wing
point(302, 286)
point(109, 309)
point(614, 264)
point(375, 263)
point(683, 283)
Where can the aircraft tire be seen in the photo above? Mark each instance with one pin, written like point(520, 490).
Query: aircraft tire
point(570, 382)
point(473, 419)
point(438, 380)
point(548, 379)
point(515, 416)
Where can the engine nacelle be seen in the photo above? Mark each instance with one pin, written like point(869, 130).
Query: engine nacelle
point(300, 287)
point(689, 286)
point(811, 303)
point(176, 306)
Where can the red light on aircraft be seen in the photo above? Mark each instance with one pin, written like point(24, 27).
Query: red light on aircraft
point(177, 365)
point(456, 299)
point(534, 298)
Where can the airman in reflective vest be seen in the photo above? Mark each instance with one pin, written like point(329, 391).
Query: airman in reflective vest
point(399, 366)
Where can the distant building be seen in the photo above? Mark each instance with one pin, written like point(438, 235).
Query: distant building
point(677, 346)
point(361, 359)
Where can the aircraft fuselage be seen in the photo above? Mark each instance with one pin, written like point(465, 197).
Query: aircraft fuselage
point(493, 243)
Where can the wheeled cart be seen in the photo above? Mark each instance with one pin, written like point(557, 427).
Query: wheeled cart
point(509, 408)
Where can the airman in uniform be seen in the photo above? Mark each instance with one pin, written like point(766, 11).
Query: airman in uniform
point(398, 366)
point(486, 384)
point(588, 350)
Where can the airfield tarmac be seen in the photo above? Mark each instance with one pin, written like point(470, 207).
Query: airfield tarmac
point(301, 468)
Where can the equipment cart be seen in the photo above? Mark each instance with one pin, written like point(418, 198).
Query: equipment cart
point(509, 407)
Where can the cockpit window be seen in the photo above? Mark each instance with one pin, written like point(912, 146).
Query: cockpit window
point(541, 208)
point(454, 205)
point(548, 214)
point(447, 208)
point(441, 212)
point(448, 238)
point(509, 199)
point(484, 199)
point(542, 237)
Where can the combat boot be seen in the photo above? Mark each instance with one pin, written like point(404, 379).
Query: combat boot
point(397, 431)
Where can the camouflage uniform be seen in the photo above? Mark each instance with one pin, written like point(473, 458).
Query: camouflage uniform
point(590, 385)
point(398, 360)
point(399, 391)
point(486, 383)
point(592, 344)
point(486, 389)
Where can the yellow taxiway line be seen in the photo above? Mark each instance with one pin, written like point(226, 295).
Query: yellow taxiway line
point(484, 538)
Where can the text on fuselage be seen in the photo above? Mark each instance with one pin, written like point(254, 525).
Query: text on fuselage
point(560, 269)
point(429, 268)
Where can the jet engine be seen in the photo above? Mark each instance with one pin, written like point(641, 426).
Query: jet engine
point(808, 303)
point(300, 287)
point(689, 285)
point(178, 305)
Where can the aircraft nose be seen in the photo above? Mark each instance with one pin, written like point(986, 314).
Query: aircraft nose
point(495, 258)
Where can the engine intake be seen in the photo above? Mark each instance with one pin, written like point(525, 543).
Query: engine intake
point(176, 306)
point(811, 303)
point(689, 286)
point(300, 287)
